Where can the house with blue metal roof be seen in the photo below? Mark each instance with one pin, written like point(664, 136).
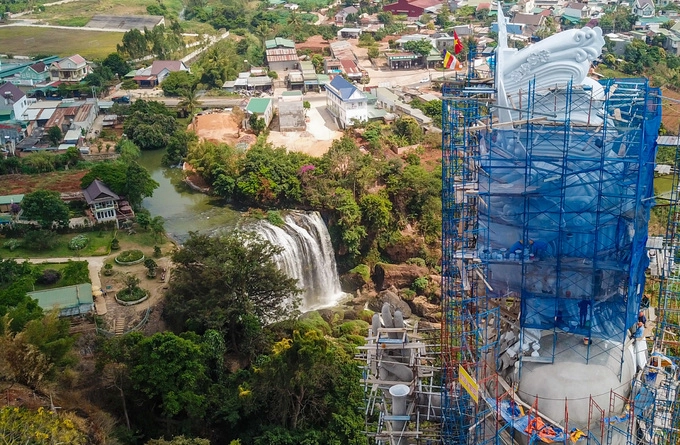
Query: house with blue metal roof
point(346, 102)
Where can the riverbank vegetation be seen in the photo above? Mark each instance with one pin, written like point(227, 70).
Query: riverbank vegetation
point(368, 199)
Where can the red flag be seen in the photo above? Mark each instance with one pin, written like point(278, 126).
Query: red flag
point(457, 45)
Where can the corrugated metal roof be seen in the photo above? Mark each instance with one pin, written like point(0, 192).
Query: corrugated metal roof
point(64, 297)
point(669, 141)
point(258, 105)
point(279, 42)
point(281, 55)
point(10, 199)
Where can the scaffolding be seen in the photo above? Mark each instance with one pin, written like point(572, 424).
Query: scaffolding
point(544, 233)
point(401, 367)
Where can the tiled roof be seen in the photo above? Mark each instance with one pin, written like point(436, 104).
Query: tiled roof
point(171, 65)
point(77, 59)
point(98, 190)
point(11, 89)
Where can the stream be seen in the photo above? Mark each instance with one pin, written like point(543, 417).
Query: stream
point(183, 209)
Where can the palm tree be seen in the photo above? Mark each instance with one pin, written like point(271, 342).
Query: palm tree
point(262, 31)
point(157, 227)
point(294, 20)
point(189, 103)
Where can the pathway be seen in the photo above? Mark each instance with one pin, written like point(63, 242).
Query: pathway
point(94, 265)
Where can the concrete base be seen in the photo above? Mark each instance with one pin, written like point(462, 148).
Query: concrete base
point(572, 378)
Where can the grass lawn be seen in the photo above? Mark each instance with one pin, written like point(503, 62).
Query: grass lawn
point(30, 41)
point(663, 184)
point(98, 245)
point(53, 266)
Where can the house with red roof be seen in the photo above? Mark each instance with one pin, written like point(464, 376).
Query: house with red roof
point(155, 74)
point(69, 69)
point(413, 9)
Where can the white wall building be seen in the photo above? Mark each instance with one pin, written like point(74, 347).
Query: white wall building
point(346, 102)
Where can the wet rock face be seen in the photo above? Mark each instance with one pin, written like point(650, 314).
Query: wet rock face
point(397, 275)
point(350, 282)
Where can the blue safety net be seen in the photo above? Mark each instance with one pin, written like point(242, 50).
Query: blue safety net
point(565, 202)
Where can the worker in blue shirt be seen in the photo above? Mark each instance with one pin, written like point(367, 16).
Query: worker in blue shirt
point(519, 245)
point(538, 248)
point(640, 331)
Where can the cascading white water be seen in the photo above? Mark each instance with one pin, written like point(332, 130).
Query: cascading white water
point(307, 256)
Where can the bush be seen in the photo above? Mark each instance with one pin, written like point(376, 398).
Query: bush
point(362, 270)
point(128, 295)
point(115, 244)
point(40, 240)
point(407, 295)
point(274, 217)
point(416, 262)
point(75, 272)
point(49, 276)
point(78, 242)
point(12, 244)
point(420, 284)
point(108, 269)
point(157, 251)
point(354, 327)
point(129, 256)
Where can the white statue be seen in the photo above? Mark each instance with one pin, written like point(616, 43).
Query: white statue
point(554, 61)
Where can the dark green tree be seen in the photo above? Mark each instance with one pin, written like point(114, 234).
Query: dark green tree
point(420, 47)
point(46, 208)
point(409, 129)
point(177, 82)
point(256, 124)
point(133, 44)
point(178, 147)
point(117, 64)
point(54, 135)
point(229, 283)
point(309, 387)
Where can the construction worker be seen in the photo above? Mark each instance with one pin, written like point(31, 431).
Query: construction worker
point(539, 249)
point(519, 245)
point(642, 318)
point(583, 306)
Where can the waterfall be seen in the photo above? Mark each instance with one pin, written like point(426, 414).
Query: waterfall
point(307, 256)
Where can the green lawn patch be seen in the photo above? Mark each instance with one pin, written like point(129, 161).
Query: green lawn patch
point(98, 244)
point(30, 41)
point(663, 184)
point(73, 21)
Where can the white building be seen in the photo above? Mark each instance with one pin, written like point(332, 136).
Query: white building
point(643, 8)
point(346, 102)
point(69, 69)
point(13, 102)
point(102, 201)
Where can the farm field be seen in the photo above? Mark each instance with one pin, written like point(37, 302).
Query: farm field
point(85, 9)
point(62, 182)
point(30, 41)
